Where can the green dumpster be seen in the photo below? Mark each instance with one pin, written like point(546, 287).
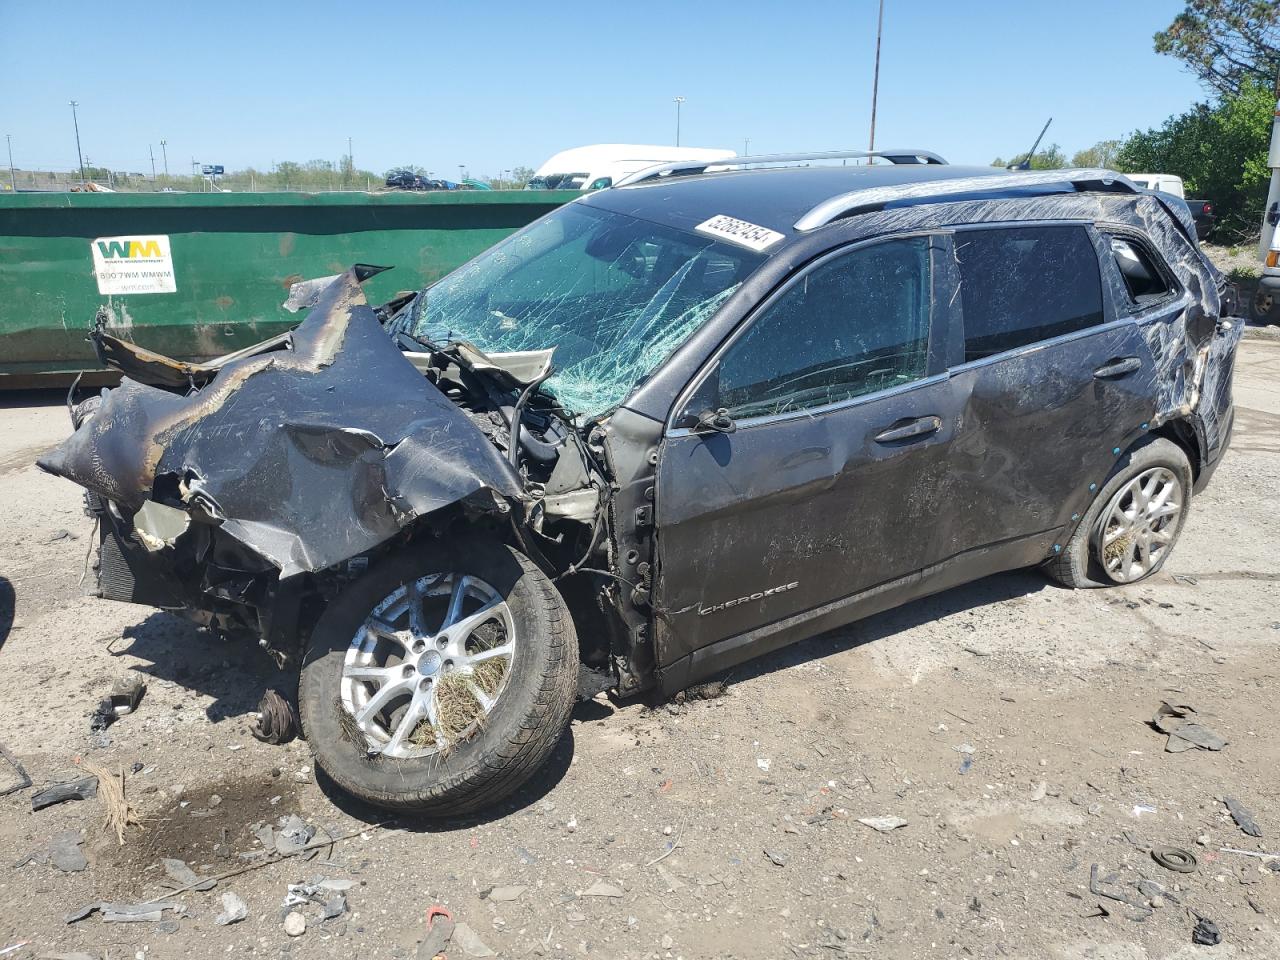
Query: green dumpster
point(196, 275)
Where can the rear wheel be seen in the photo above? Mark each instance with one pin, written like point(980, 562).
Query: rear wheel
point(1134, 522)
point(441, 679)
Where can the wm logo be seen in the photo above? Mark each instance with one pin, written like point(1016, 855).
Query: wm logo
point(129, 250)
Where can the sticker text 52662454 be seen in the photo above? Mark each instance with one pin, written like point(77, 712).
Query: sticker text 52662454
point(739, 231)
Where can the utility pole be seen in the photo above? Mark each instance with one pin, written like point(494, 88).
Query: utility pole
point(678, 100)
point(746, 146)
point(13, 180)
point(875, 83)
point(1271, 209)
point(164, 149)
point(351, 158)
point(152, 152)
point(461, 168)
point(76, 120)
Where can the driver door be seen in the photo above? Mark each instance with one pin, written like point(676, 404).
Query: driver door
point(823, 477)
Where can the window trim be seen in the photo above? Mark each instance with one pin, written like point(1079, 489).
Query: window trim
point(937, 320)
point(1131, 306)
point(1111, 318)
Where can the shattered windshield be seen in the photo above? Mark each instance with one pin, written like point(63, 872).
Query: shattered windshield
point(613, 294)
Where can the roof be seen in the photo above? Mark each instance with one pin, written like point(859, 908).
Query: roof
point(772, 197)
point(793, 200)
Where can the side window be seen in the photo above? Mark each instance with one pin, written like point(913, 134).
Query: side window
point(1143, 279)
point(1026, 284)
point(853, 325)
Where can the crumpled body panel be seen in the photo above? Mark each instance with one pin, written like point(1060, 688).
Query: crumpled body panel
point(308, 456)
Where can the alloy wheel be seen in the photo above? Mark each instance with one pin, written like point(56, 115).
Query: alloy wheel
point(1139, 524)
point(427, 666)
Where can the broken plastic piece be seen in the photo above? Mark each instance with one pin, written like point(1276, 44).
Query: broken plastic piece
point(86, 788)
point(1243, 818)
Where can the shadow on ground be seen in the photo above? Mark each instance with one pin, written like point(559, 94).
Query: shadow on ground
point(883, 626)
point(233, 671)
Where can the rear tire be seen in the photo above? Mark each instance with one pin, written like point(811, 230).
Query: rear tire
point(456, 771)
point(1083, 562)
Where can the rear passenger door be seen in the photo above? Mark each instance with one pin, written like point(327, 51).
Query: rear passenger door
point(1054, 383)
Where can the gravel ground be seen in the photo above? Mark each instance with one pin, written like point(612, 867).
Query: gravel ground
point(1005, 722)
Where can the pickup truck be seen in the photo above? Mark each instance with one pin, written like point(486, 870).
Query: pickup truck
point(1201, 210)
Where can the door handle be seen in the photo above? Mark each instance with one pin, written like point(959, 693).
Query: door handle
point(919, 427)
point(1119, 367)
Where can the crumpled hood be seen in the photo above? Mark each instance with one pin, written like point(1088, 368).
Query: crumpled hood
point(308, 456)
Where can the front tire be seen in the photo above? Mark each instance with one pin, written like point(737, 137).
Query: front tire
point(1131, 528)
point(441, 679)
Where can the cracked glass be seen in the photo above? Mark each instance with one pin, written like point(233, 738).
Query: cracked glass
point(615, 295)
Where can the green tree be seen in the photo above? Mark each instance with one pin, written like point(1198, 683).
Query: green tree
point(1219, 150)
point(1101, 154)
point(1226, 43)
point(1050, 158)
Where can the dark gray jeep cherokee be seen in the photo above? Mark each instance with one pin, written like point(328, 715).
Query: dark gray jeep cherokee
point(668, 427)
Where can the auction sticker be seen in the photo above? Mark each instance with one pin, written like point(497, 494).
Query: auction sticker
point(133, 264)
point(739, 231)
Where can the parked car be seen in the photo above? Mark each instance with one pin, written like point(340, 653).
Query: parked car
point(664, 429)
point(600, 165)
point(408, 180)
point(1201, 210)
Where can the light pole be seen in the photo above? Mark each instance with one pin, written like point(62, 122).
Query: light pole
point(678, 101)
point(13, 180)
point(746, 146)
point(76, 120)
point(461, 168)
point(875, 83)
point(351, 164)
point(163, 149)
point(151, 152)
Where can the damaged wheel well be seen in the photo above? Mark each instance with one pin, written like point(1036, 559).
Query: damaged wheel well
point(1182, 433)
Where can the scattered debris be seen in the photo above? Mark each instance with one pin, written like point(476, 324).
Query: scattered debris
point(779, 859)
point(1206, 933)
point(600, 888)
point(439, 931)
point(1039, 791)
point(703, 691)
point(1243, 818)
point(763, 763)
point(18, 946)
point(470, 941)
point(21, 781)
point(293, 835)
point(1098, 890)
point(1153, 892)
point(123, 700)
point(277, 720)
point(503, 894)
point(86, 788)
point(118, 814)
point(149, 912)
point(883, 824)
point(233, 910)
point(65, 852)
point(185, 877)
point(1175, 859)
point(1274, 857)
point(295, 924)
point(976, 651)
point(1184, 733)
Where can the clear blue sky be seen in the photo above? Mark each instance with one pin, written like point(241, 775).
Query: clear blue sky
point(499, 84)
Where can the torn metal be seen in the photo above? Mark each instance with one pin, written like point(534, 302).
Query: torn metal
point(308, 455)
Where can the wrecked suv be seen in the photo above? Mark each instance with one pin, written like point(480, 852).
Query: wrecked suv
point(670, 426)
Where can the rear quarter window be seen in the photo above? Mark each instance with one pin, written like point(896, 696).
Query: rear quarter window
point(1021, 285)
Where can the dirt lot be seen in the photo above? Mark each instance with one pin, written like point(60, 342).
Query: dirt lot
point(1005, 722)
